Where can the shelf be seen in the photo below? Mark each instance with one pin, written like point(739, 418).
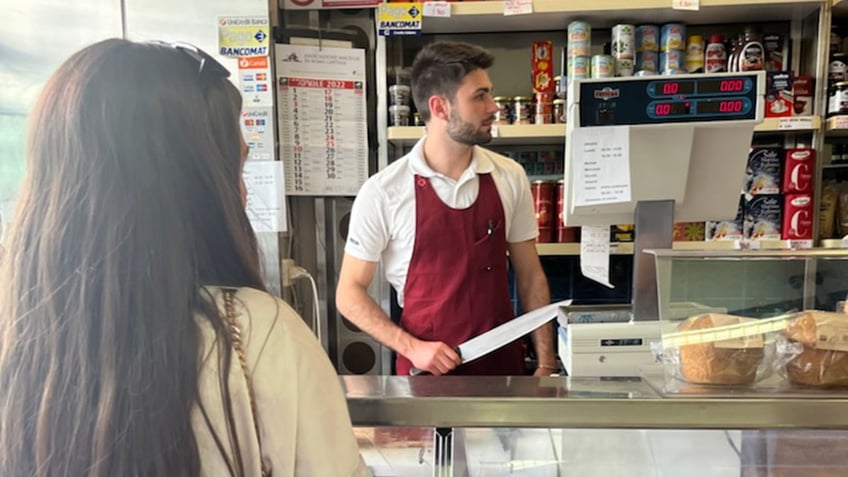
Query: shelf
point(487, 16)
point(510, 134)
point(837, 126)
point(626, 248)
point(538, 134)
point(834, 243)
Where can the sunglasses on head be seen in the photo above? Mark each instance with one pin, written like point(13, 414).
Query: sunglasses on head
point(206, 64)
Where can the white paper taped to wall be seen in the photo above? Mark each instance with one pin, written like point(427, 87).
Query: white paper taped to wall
point(266, 201)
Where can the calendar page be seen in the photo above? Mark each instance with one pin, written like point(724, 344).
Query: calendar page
point(323, 119)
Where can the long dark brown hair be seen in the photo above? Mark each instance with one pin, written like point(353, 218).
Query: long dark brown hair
point(129, 206)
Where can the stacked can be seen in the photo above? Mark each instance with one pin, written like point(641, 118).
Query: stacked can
point(543, 205)
point(647, 49)
point(564, 234)
point(624, 49)
point(672, 47)
point(543, 108)
point(578, 51)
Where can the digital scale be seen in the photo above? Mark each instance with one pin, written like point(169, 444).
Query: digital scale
point(687, 135)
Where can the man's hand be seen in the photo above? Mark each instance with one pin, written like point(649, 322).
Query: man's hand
point(435, 357)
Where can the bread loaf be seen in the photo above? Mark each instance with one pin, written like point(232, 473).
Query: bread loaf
point(823, 360)
point(718, 363)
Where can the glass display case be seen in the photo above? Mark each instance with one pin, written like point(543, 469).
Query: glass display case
point(605, 427)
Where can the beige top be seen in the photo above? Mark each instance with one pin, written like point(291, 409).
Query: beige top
point(303, 418)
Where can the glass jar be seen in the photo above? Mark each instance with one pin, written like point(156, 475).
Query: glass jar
point(559, 111)
point(502, 116)
point(521, 109)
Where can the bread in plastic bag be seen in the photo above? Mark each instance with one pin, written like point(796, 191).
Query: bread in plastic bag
point(815, 349)
point(709, 359)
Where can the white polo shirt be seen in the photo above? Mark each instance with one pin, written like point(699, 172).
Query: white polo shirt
point(382, 222)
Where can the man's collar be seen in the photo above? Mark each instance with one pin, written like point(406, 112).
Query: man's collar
point(480, 161)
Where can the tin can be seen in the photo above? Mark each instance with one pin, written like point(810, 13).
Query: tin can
point(578, 67)
point(416, 120)
point(559, 111)
point(623, 41)
point(647, 38)
point(579, 39)
point(673, 37)
point(647, 61)
point(502, 115)
point(603, 66)
point(672, 60)
point(521, 110)
point(543, 205)
point(564, 234)
point(623, 67)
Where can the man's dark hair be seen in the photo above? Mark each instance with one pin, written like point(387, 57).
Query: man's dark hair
point(439, 69)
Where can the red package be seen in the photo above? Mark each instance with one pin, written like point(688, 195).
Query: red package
point(543, 67)
point(798, 171)
point(798, 217)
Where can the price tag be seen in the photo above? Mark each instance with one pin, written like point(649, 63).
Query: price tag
point(786, 124)
point(800, 244)
point(437, 9)
point(694, 5)
point(840, 122)
point(518, 7)
point(746, 244)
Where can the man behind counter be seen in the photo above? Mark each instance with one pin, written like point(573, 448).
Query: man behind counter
point(442, 219)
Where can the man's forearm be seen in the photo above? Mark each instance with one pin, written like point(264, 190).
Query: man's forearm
point(536, 295)
point(358, 307)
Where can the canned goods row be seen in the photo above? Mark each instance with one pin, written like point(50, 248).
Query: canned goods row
point(522, 110)
point(547, 198)
point(539, 163)
point(399, 115)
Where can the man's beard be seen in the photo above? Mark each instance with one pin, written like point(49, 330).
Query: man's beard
point(465, 132)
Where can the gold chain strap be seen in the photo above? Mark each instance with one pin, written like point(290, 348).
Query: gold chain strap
point(238, 346)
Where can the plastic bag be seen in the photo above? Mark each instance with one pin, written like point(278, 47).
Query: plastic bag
point(722, 350)
point(813, 349)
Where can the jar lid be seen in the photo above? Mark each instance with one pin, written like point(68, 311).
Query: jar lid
point(504, 99)
point(558, 78)
point(521, 98)
point(716, 39)
point(559, 101)
point(841, 84)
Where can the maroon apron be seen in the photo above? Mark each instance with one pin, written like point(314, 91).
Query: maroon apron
point(456, 286)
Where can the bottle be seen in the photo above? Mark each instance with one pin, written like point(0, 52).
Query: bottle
point(733, 57)
point(716, 56)
point(695, 54)
point(752, 53)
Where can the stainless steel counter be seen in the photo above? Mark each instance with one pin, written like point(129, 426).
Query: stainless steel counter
point(485, 401)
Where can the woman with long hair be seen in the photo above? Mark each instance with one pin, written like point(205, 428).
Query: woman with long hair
point(137, 335)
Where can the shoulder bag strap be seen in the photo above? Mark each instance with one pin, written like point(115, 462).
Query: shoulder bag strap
point(238, 347)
